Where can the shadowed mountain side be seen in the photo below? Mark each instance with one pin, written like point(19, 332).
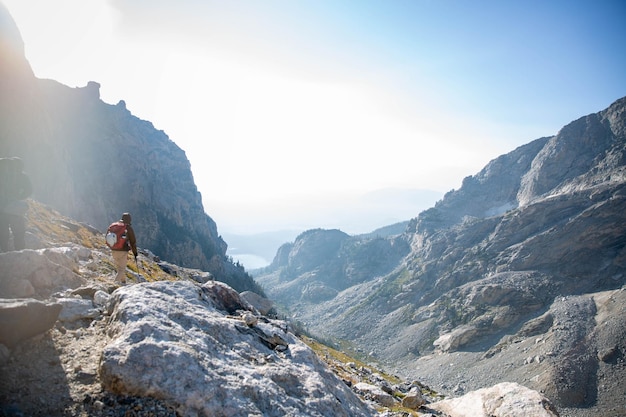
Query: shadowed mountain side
point(94, 161)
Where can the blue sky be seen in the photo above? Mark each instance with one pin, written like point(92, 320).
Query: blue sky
point(291, 111)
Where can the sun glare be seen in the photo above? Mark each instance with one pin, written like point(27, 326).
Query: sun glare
point(279, 101)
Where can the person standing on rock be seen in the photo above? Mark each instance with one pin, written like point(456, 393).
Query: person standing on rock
point(121, 238)
point(15, 187)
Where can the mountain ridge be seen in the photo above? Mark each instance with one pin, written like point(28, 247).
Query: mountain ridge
point(536, 235)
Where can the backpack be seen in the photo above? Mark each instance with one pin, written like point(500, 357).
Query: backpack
point(116, 236)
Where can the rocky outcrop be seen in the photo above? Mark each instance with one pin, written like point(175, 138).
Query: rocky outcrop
point(38, 272)
point(502, 400)
point(500, 180)
point(263, 305)
point(223, 367)
point(93, 161)
point(23, 319)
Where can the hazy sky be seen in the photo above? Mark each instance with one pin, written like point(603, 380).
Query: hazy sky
point(285, 105)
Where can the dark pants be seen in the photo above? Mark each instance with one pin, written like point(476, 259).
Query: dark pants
point(17, 226)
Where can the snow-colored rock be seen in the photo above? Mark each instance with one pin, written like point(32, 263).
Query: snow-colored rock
point(506, 399)
point(46, 270)
point(76, 309)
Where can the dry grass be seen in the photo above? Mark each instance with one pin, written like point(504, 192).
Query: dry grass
point(347, 369)
point(53, 229)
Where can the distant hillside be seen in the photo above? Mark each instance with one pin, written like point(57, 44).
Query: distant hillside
point(320, 264)
point(93, 161)
point(260, 248)
point(519, 275)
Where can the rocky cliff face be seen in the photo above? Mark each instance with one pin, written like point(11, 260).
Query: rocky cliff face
point(94, 161)
point(518, 275)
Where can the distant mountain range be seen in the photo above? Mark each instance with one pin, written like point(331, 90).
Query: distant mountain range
point(256, 250)
point(519, 275)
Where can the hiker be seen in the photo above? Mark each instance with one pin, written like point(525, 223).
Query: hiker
point(125, 241)
point(15, 187)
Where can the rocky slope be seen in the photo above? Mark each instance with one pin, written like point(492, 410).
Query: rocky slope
point(519, 275)
point(94, 161)
point(176, 343)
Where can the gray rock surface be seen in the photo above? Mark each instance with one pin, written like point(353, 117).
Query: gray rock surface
point(174, 342)
point(23, 319)
point(263, 305)
point(41, 272)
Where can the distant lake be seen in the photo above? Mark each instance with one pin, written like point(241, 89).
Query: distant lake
point(250, 261)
